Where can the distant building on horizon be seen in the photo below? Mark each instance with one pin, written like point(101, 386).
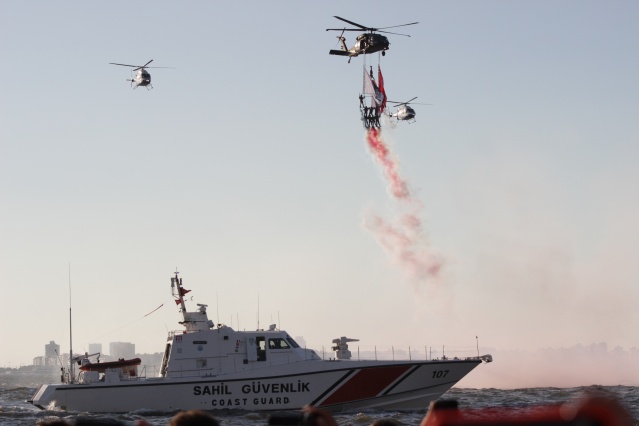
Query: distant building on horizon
point(95, 348)
point(51, 353)
point(119, 350)
point(51, 356)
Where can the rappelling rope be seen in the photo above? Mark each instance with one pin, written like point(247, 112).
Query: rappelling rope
point(154, 310)
point(131, 322)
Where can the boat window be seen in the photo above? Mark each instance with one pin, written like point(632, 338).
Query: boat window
point(292, 342)
point(261, 348)
point(278, 343)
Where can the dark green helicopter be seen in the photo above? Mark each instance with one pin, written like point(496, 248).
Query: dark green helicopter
point(369, 42)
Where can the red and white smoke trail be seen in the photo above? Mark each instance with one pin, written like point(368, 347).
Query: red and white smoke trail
point(398, 188)
point(403, 238)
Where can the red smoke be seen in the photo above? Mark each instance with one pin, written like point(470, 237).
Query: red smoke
point(403, 238)
point(398, 187)
point(406, 243)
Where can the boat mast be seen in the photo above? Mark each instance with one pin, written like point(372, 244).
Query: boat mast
point(177, 282)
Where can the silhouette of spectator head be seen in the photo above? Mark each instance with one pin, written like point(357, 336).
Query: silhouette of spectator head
point(385, 422)
point(194, 418)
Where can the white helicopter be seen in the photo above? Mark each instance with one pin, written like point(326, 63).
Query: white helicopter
point(404, 111)
point(142, 77)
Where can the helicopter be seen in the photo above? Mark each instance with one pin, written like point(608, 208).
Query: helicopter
point(142, 77)
point(404, 111)
point(369, 42)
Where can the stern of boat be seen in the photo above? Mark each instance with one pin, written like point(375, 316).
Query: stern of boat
point(43, 397)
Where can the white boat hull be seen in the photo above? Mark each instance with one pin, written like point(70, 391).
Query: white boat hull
point(333, 385)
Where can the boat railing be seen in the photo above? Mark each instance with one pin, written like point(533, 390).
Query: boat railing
point(149, 371)
point(402, 353)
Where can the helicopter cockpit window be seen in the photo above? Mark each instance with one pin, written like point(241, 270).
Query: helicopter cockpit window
point(278, 343)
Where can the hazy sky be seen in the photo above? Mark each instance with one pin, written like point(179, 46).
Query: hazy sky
point(246, 168)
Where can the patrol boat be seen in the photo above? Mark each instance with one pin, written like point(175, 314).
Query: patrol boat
point(213, 367)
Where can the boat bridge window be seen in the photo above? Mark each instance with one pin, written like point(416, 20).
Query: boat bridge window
point(278, 343)
point(293, 343)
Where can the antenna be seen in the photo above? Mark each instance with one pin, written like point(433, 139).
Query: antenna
point(58, 355)
point(61, 366)
point(477, 340)
point(71, 373)
point(258, 311)
point(217, 307)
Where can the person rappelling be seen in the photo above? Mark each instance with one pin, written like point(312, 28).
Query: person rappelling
point(371, 114)
point(365, 118)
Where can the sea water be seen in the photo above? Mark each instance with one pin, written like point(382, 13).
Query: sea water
point(16, 389)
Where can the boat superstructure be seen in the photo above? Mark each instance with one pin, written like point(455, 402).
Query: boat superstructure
point(208, 366)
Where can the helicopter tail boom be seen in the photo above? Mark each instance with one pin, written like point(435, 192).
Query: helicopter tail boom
point(340, 53)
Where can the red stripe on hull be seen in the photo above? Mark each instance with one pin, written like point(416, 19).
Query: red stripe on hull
point(366, 383)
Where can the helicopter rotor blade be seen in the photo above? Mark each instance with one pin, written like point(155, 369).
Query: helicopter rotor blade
point(397, 104)
point(406, 102)
point(395, 26)
point(356, 24)
point(388, 32)
point(343, 29)
point(143, 66)
point(340, 38)
point(124, 65)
